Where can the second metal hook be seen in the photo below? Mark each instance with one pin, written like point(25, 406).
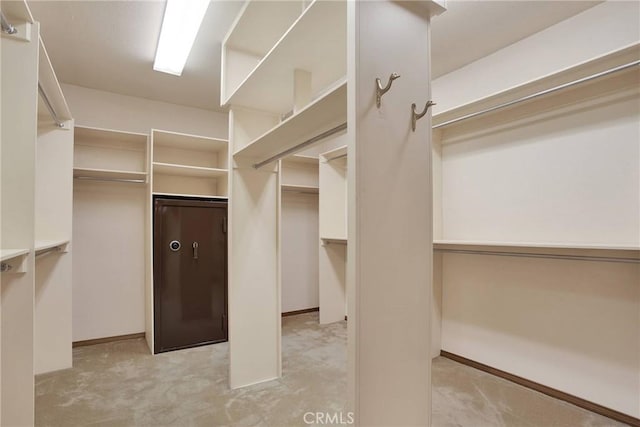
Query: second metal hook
point(417, 116)
point(382, 90)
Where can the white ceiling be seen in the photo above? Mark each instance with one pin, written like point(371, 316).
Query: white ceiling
point(110, 45)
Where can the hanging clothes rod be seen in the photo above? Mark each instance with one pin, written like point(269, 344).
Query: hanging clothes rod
point(92, 178)
point(6, 26)
point(337, 157)
point(541, 93)
point(48, 251)
point(300, 146)
point(47, 103)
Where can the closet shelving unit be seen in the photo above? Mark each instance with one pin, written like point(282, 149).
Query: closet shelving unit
point(110, 155)
point(571, 267)
point(284, 79)
point(182, 165)
point(37, 157)
point(188, 165)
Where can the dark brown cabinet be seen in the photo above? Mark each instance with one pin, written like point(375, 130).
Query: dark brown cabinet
point(190, 273)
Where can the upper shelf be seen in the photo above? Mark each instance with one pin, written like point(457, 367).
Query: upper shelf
point(85, 135)
point(260, 24)
point(8, 254)
point(560, 249)
point(183, 141)
point(294, 188)
point(316, 42)
point(45, 246)
point(49, 82)
point(543, 86)
point(321, 115)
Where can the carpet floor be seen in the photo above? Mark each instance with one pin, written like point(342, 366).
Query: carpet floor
point(121, 384)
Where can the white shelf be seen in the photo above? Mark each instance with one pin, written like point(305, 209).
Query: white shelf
point(337, 153)
point(109, 174)
point(49, 82)
point(9, 254)
point(183, 141)
point(560, 249)
point(13, 260)
point(336, 240)
point(43, 246)
point(85, 135)
point(203, 196)
point(319, 33)
point(183, 170)
point(257, 27)
point(585, 69)
point(321, 115)
point(308, 189)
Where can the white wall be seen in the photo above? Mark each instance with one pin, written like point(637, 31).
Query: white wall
point(299, 228)
point(594, 32)
point(108, 262)
point(101, 109)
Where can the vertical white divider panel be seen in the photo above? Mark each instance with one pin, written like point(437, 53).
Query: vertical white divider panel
point(19, 121)
point(149, 313)
point(254, 242)
point(53, 222)
point(301, 89)
point(390, 213)
point(333, 225)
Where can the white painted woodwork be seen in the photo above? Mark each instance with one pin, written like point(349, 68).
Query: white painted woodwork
point(333, 234)
point(86, 173)
point(607, 27)
point(298, 174)
point(299, 262)
point(53, 228)
point(390, 216)
point(570, 325)
point(102, 150)
point(269, 86)
point(254, 289)
point(19, 79)
point(185, 165)
point(323, 114)
point(551, 194)
point(255, 31)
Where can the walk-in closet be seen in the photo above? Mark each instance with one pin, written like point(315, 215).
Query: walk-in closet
point(319, 212)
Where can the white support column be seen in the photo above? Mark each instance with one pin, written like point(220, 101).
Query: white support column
point(254, 280)
point(390, 215)
point(19, 120)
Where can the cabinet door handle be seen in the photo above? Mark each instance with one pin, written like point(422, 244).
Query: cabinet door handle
point(195, 250)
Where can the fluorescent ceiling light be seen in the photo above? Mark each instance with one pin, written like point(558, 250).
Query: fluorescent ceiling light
point(182, 20)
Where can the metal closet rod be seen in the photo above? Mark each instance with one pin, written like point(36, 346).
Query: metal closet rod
point(48, 251)
point(549, 256)
point(91, 178)
point(47, 103)
point(541, 93)
point(300, 146)
point(6, 26)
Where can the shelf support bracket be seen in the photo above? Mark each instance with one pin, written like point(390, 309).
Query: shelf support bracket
point(382, 90)
point(417, 116)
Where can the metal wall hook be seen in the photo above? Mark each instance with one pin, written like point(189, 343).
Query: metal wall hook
point(417, 116)
point(382, 90)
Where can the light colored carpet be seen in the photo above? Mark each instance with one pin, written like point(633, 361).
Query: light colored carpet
point(120, 384)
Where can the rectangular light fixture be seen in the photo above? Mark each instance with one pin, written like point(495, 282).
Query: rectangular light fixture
point(182, 20)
